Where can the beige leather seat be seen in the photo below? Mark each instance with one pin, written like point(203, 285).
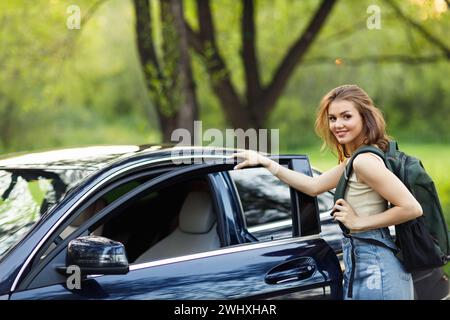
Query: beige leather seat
point(196, 231)
point(83, 217)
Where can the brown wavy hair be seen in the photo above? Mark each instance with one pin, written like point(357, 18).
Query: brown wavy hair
point(374, 126)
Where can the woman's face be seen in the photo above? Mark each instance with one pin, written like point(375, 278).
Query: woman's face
point(345, 122)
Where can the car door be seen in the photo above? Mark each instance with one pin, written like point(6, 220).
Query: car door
point(296, 266)
point(268, 210)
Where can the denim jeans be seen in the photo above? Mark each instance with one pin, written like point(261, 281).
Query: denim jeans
point(379, 275)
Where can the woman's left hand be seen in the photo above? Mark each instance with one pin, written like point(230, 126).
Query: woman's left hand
point(344, 213)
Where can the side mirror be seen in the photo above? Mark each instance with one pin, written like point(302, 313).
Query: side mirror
point(97, 255)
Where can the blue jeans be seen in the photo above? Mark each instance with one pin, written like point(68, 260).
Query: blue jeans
point(379, 275)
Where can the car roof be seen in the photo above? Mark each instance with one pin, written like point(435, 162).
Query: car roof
point(97, 157)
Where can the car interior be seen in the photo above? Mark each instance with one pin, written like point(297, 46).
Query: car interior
point(83, 217)
point(195, 231)
point(173, 221)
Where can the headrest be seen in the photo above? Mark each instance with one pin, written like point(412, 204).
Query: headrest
point(83, 217)
point(197, 214)
point(89, 212)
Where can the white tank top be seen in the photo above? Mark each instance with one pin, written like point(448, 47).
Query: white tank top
point(364, 200)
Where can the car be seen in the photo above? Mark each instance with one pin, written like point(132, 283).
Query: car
point(162, 222)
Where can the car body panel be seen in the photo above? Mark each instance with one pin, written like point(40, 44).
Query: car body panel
point(231, 273)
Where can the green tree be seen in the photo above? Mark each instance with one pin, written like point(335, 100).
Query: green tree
point(168, 77)
point(253, 110)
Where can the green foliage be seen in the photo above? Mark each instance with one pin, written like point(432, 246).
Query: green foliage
point(69, 87)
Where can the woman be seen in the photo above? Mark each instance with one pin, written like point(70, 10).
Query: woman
point(346, 120)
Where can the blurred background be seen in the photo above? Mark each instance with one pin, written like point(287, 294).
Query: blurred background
point(85, 72)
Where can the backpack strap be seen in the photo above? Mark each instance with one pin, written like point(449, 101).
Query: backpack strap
point(393, 146)
point(363, 149)
point(391, 155)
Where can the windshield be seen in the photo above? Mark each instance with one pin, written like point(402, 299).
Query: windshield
point(25, 195)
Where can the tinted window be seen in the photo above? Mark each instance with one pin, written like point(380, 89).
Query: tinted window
point(266, 203)
point(150, 227)
point(325, 200)
point(164, 223)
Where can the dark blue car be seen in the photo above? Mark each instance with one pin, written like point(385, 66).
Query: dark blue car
point(155, 222)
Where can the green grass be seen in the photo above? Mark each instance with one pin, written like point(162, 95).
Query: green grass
point(435, 158)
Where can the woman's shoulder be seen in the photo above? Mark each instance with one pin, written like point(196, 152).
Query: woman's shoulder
point(367, 165)
point(367, 162)
point(367, 156)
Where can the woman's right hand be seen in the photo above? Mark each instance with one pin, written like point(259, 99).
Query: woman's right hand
point(252, 158)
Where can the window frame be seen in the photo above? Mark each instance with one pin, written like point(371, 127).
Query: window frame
point(299, 201)
point(81, 207)
point(174, 175)
point(166, 179)
point(269, 227)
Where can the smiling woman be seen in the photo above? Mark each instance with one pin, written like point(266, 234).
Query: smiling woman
point(347, 120)
point(345, 123)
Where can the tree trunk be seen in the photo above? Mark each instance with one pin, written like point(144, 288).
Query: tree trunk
point(219, 74)
point(6, 124)
point(169, 82)
point(176, 54)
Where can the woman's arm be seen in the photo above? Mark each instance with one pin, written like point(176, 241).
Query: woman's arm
point(374, 173)
point(310, 185)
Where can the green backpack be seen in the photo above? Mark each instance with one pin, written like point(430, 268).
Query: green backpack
point(423, 242)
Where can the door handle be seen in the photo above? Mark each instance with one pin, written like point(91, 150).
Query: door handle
point(292, 270)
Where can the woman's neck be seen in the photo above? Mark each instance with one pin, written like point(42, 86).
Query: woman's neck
point(354, 145)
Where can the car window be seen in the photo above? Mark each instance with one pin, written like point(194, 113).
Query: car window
point(99, 204)
point(176, 220)
point(26, 195)
point(325, 200)
point(266, 203)
point(181, 218)
point(152, 221)
point(153, 226)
